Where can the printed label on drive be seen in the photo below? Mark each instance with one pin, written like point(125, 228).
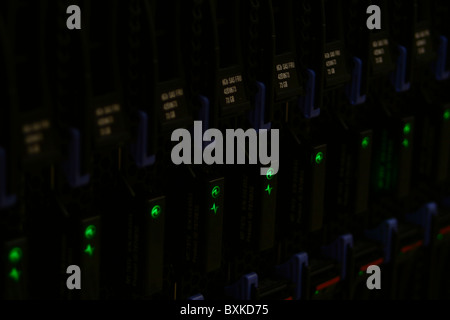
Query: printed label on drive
point(34, 135)
point(171, 102)
point(106, 121)
point(331, 61)
point(380, 53)
point(379, 50)
point(423, 44)
point(336, 71)
point(286, 82)
point(232, 90)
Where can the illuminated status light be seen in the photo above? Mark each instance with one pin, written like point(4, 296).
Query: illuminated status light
point(447, 114)
point(269, 189)
point(365, 142)
point(373, 263)
point(407, 129)
point(442, 232)
point(89, 250)
point(328, 283)
point(269, 174)
point(319, 157)
point(156, 211)
point(215, 208)
point(411, 246)
point(289, 298)
point(405, 143)
point(215, 192)
point(90, 231)
point(15, 255)
point(15, 274)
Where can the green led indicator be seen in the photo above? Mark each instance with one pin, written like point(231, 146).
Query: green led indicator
point(319, 157)
point(440, 236)
point(269, 174)
point(317, 292)
point(407, 129)
point(405, 143)
point(215, 208)
point(269, 189)
point(89, 250)
point(15, 274)
point(15, 255)
point(447, 114)
point(215, 192)
point(361, 273)
point(156, 211)
point(365, 142)
point(90, 231)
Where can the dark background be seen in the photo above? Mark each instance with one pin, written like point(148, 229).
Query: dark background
point(86, 177)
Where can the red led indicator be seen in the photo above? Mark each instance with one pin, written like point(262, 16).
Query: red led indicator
point(373, 263)
point(445, 230)
point(328, 283)
point(412, 246)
